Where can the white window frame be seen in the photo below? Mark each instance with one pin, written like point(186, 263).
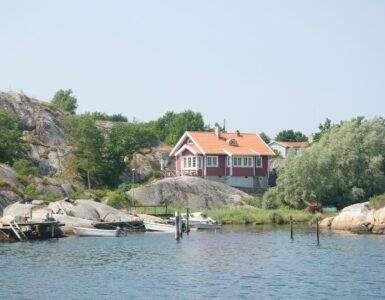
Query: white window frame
point(260, 165)
point(242, 161)
point(192, 162)
point(228, 161)
point(210, 163)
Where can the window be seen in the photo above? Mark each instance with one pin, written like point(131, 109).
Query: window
point(199, 162)
point(189, 161)
point(184, 162)
point(258, 161)
point(212, 161)
point(190, 142)
point(241, 161)
point(194, 162)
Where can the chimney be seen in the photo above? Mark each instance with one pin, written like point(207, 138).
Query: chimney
point(238, 133)
point(217, 132)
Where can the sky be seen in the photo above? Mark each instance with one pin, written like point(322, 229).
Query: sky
point(261, 65)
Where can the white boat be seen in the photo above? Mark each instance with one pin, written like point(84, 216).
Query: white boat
point(200, 220)
point(82, 231)
point(152, 226)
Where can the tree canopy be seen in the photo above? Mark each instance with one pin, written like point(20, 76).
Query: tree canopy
point(64, 99)
point(346, 166)
point(324, 127)
point(265, 137)
point(105, 117)
point(12, 146)
point(291, 136)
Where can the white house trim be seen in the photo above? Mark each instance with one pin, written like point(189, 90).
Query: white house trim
point(186, 134)
point(186, 147)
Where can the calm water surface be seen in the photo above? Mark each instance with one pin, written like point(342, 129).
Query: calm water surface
point(236, 262)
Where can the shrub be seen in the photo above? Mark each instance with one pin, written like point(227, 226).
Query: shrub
point(378, 201)
point(253, 201)
point(119, 199)
point(30, 191)
point(276, 218)
point(25, 167)
point(271, 199)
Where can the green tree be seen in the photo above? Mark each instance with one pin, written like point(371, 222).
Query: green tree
point(105, 117)
point(124, 140)
point(172, 126)
point(291, 136)
point(12, 146)
point(346, 166)
point(265, 137)
point(63, 99)
point(87, 141)
point(323, 128)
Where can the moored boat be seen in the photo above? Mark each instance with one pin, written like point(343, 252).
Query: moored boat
point(152, 226)
point(83, 231)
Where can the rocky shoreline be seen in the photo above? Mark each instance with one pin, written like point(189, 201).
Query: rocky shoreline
point(358, 218)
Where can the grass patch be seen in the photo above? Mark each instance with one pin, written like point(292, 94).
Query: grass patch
point(377, 202)
point(254, 215)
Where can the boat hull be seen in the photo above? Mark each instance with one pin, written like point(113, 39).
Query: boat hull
point(151, 226)
point(81, 231)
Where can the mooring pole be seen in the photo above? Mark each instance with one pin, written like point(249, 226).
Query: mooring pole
point(177, 227)
point(317, 220)
point(291, 228)
point(188, 221)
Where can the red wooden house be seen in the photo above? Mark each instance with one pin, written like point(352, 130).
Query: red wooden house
point(237, 159)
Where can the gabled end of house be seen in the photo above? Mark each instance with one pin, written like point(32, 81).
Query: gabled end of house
point(235, 158)
point(285, 147)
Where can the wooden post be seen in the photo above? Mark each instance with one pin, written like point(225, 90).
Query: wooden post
point(317, 220)
point(291, 228)
point(180, 225)
point(177, 227)
point(188, 221)
point(166, 209)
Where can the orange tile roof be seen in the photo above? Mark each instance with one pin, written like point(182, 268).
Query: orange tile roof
point(247, 143)
point(294, 144)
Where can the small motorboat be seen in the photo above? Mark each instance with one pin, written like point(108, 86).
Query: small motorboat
point(83, 231)
point(200, 220)
point(152, 226)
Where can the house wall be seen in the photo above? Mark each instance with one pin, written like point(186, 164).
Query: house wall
point(220, 170)
point(278, 147)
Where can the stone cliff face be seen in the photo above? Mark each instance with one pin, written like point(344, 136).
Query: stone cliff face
point(42, 130)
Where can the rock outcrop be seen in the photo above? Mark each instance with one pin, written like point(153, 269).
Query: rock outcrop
point(358, 218)
point(194, 192)
point(8, 187)
point(71, 213)
point(42, 130)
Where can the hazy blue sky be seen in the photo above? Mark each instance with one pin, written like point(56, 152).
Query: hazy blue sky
point(262, 65)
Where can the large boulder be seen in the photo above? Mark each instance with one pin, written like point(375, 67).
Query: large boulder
point(357, 218)
point(91, 210)
point(9, 184)
point(43, 130)
point(194, 192)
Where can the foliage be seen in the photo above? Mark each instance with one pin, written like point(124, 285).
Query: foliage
point(12, 146)
point(265, 137)
point(252, 201)
point(105, 117)
point(247, 215)
point(119, 199)
point(25, 167)
point(378, 201)
point(323, 128)
point(277, 153)
point(271, 199)
point(346, 166)
point(87, 141)
point(291, 136)
point(63, 99)
point(171, 126)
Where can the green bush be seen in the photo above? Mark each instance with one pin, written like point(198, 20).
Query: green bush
point(276, 218)
point(271, 199)
point(30, 191)
point(25, 167)
point(378, 201)
point(119, 199)
point(253, 201)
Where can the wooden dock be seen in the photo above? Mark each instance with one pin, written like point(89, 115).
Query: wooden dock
point(30, 230)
